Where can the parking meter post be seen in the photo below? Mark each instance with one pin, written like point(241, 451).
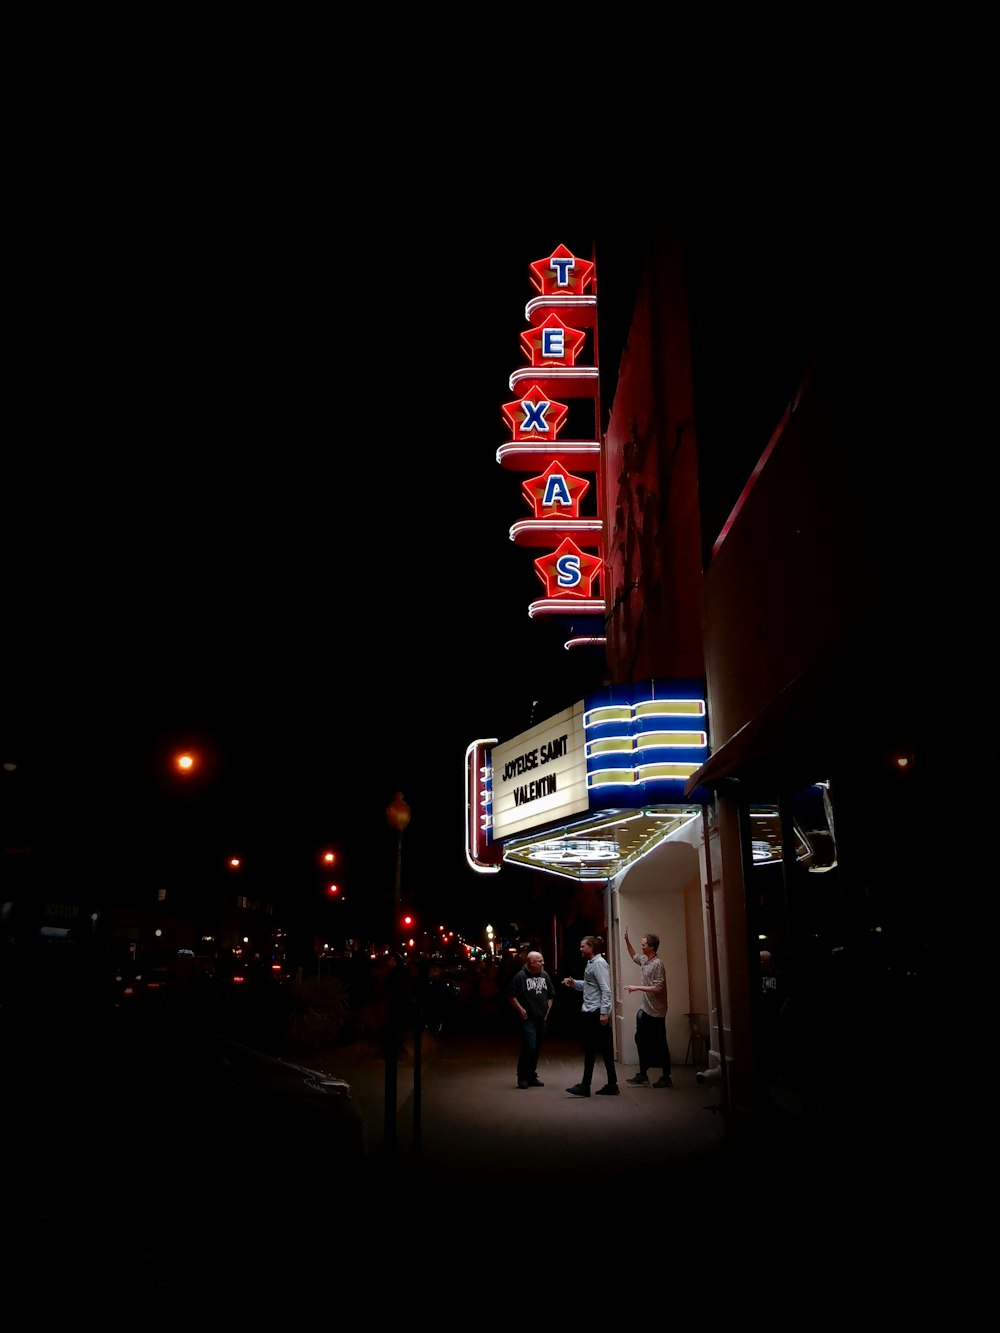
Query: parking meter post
point(397, 816)
point(418, 1023)
point(389, 1109)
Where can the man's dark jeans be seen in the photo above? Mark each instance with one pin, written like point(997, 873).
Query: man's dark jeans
point(651, 1043)
point(532, 1040)
point(598, 1039)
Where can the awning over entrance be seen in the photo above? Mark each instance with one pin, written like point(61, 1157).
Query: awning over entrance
point(601, 846)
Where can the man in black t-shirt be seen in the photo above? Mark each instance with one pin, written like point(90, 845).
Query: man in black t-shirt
point(532, 995)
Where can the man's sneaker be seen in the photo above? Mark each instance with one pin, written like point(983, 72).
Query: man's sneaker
point(639, 1078)
point(578, 1090)
point(609, 1090)
point(664, 1082)
point(535, 1083)
point(523, 1083)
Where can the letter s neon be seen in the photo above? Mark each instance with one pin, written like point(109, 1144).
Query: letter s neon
point(568, 571)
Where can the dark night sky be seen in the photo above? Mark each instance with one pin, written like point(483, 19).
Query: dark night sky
point(251, 499)
point(255, 506)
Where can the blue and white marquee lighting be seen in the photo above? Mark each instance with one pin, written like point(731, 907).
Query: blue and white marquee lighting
point(644, 741)
point(625, 748)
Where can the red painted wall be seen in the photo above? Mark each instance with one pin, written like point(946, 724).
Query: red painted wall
point(651, 488)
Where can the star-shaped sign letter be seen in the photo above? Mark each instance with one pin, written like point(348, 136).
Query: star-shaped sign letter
point(556, 493)
point(552, 343)
point(561, 274)
point(535, 416)
point(568, 571)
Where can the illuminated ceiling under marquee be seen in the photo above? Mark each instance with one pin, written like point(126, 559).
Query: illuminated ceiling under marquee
point(599, 848)
point(641, 743)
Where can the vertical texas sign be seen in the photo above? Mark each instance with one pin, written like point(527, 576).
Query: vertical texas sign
point(571, 570)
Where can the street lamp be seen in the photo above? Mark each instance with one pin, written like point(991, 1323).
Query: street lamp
point(397, 815)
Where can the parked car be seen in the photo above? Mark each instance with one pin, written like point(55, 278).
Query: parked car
point(153, 1144)
point(137, 984)
point(185, 1085)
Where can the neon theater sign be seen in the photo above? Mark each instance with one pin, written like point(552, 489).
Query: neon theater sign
point(572, 573)
point(611, 770)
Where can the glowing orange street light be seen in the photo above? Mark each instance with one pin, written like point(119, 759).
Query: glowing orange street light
point(186, 762)
point(398, 813)
point(397, 816)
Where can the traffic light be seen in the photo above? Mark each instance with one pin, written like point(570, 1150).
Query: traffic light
point(333, 890)
point(408, 921)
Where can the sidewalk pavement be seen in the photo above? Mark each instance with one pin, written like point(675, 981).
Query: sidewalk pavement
point(475, 1138)
point(467, 1124)
point(485, 1178)
point(108, 1191)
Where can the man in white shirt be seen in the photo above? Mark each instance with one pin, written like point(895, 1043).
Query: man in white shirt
point(595, 1017)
